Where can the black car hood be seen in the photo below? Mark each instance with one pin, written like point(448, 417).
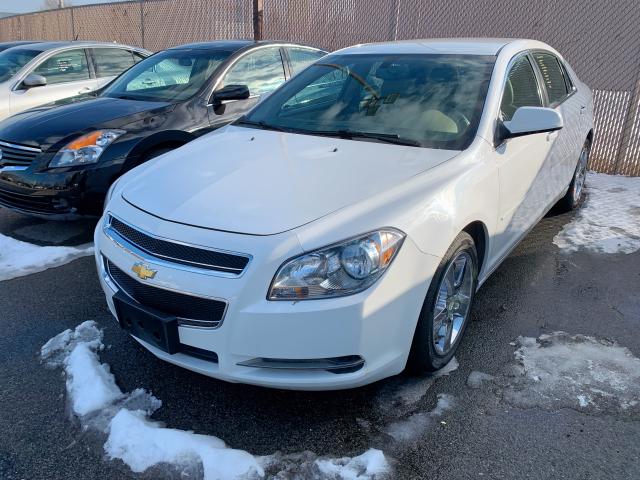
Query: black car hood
point(45, 126)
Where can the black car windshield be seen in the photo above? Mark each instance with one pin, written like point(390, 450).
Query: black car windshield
point(424, 100)
point(169, 76)
point(12, 60)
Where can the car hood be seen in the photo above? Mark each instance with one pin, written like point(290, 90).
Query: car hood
point(45, 126)
point(263, 182)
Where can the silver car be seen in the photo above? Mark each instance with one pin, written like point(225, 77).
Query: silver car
point(38, 73)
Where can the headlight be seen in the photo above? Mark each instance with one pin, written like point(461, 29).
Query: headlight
point(86, 149)
point(338, 270)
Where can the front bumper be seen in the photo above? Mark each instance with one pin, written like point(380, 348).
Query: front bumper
point(57, 194)
point(257, 337)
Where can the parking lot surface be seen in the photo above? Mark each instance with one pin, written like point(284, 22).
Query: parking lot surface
point(483, 419)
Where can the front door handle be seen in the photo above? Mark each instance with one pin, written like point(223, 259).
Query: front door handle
point(551, 135)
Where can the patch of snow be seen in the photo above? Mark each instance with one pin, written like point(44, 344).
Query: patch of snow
point(413, 427)
point(477, 379)
point(142, 443)
point(560, 370)
point(21, 258)
point(609, 221)
point(409, 391)
point(370, 464)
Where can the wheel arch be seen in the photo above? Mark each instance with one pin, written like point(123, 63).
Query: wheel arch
point(166, 139)
point(478, 231)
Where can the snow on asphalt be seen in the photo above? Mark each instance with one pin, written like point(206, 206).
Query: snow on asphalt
point(560, 370)
point(411, 428)
point(609, 221)
point(142, 443)
point(19, 258)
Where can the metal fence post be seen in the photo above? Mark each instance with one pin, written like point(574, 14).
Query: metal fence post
point(258, 19)
point(142, 22)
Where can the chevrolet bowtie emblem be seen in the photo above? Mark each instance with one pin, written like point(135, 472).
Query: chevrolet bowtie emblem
point(142, 271)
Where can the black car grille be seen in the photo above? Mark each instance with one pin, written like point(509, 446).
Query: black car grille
point(17, 155)
point(190, 310)
point(179, 253)
point(31, 203)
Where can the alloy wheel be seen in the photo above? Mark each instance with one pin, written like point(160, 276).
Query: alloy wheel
point(452, 303)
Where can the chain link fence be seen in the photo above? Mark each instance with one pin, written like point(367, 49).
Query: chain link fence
point(600, 39)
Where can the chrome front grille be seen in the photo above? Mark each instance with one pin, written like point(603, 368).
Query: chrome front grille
point(192, 256)
point(17, 155)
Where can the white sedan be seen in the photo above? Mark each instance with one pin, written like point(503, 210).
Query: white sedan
point(337, 234)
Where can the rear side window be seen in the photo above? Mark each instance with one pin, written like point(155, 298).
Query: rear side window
point(301, 58)
point(111, 62)
point(553, 77)
point(64, 67)
point(521, 89)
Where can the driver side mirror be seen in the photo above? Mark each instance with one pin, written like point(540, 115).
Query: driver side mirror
point(34, 80)
point(530, 120)
point(230, 92)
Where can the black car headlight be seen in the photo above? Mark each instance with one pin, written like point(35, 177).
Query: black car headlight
point(337, 270)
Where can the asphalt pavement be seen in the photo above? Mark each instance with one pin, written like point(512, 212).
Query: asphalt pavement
point(537, 290)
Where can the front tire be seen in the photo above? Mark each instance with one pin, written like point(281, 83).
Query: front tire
point(446, 309)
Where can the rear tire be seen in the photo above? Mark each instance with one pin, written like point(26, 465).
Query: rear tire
point(446, 309)
point(574, 196)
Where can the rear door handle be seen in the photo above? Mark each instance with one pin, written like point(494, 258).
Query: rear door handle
point(583, 109)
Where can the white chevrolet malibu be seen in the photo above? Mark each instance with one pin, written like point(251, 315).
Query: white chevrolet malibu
point(337, 233)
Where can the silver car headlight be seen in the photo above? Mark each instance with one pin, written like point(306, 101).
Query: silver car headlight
point(337, 270)
point(86, 149)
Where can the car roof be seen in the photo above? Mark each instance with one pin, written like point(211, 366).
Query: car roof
point(214, 45)
point(232, 45)
point(468, 46)
point(44, 46)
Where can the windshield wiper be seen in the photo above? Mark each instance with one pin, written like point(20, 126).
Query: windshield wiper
point(259, 124)
point(381, 137)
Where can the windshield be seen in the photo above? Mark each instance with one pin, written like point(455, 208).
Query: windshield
point(169, 76)
point(430, 101)
point(11, 61)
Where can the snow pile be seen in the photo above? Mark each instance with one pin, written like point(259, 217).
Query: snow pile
point(609, 221)
point(559, 370)
point(142, 443)
point(21, 258)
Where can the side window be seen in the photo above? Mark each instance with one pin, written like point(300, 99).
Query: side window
point(553, 77)
point(325, 89)
point(64, 67)
point(521, 89)
point(111, 62)
point(262, 71)
point(302, 57)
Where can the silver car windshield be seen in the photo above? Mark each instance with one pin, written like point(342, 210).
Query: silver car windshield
point(12, 61)
point(169, 76)
point(432, 101)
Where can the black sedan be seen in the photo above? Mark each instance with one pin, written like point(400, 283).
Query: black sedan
point(59, 161)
